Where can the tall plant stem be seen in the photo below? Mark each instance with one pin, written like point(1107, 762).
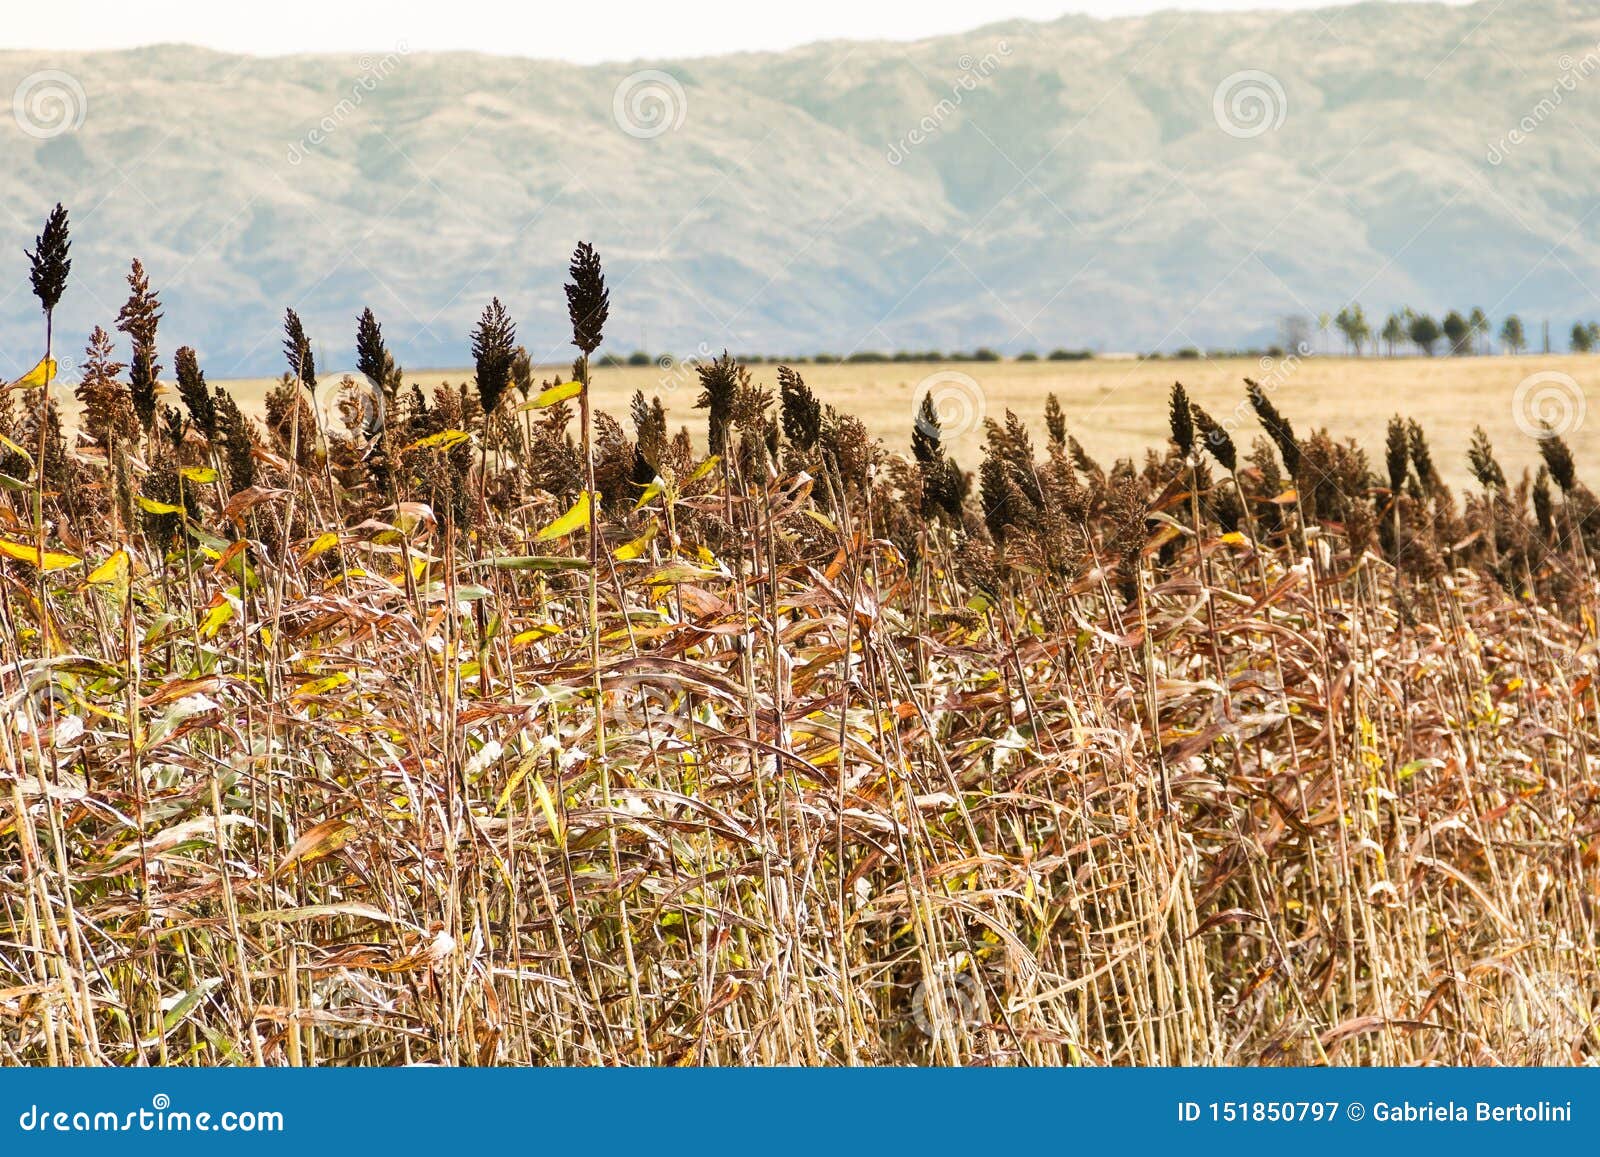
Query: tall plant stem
point(38, 484)
point(586, 410)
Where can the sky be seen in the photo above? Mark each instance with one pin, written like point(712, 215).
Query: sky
point(582, 33)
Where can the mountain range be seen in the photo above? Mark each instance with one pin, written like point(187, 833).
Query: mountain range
point(1178, 179)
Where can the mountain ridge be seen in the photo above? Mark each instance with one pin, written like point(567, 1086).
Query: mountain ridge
point(1076, 183)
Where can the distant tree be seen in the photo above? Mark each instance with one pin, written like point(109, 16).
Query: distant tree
point(1457, 333)
point(1394, 332)
point(1584, 337)
point(1423, 332)
point(639, 358)
point(1478, 322)
point(1352, 322)
point(1511, 335)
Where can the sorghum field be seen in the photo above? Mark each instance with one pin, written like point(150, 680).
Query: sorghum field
point(482, 725)
point(1119, 405)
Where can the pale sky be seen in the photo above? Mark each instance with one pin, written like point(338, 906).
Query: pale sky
point(582, 32)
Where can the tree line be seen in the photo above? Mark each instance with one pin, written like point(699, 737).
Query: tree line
point(1456, 334)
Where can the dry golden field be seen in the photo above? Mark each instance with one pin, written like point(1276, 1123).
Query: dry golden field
point(1117, 406)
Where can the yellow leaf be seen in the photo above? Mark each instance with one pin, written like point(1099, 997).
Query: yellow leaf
point(548, 806)
point(323, 839)
point(30, 555)
point(703, 469)
point(632, 550)
point(684, 573)
point(1233, 538)
point(554, 394)
point(113, 570)
point(534, 634)
point(36, 377)
point(443, 440)
point(151, 506)
point(322, 686)
point(654, 490)
point(512, 784)
point(202, 475)
point(215, 618)
point(16, 449)
point(572, 520)
point(326, 541)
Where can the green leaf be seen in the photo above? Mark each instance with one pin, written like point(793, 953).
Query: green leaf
point(534, 562)
point(187, 1003)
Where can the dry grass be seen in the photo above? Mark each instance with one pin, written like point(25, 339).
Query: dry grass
point(321, 779)
point(1118, 405)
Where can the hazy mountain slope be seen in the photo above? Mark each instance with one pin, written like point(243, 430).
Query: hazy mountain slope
point(1078, 190)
